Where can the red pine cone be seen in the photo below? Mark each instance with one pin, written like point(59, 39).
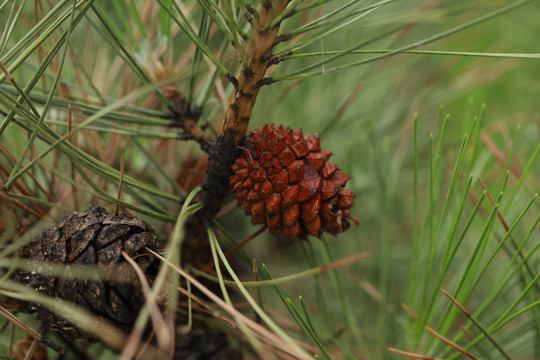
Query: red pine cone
point(283, 179)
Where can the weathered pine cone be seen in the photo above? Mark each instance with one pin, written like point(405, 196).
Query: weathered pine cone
point(92, 237)
point(284, 180)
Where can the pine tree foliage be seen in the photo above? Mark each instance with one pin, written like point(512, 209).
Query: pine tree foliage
point(444, 262)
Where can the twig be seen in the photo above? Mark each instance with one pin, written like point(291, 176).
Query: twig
point(240, 106)
point(186, 119)
point(233, 132)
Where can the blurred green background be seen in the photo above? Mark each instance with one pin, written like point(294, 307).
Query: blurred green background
point(364, 115)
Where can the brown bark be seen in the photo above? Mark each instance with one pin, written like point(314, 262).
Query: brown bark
point(247, 85)
point(243, 98)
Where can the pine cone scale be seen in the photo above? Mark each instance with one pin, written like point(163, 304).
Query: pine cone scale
point(284, 180)
point(92, 238)
point(80, 241)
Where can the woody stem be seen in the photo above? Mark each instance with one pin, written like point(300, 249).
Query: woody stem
point(240, 106)
point(235, 124)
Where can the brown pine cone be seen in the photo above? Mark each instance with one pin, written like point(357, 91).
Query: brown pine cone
point(92, 237)
point(284, 180)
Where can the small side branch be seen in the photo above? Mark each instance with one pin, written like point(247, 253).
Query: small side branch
point(281, 38)
point(232, 79)
point(252, 11)
point(186, 118)
point(276, 59)
point(265, 81)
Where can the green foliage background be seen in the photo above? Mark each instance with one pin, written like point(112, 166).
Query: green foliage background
point(412, 204)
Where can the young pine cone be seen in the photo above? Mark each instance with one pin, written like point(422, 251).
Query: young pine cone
point(92, 238)
point(283, 179)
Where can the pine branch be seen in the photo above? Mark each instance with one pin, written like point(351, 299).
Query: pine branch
point(247, 84)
